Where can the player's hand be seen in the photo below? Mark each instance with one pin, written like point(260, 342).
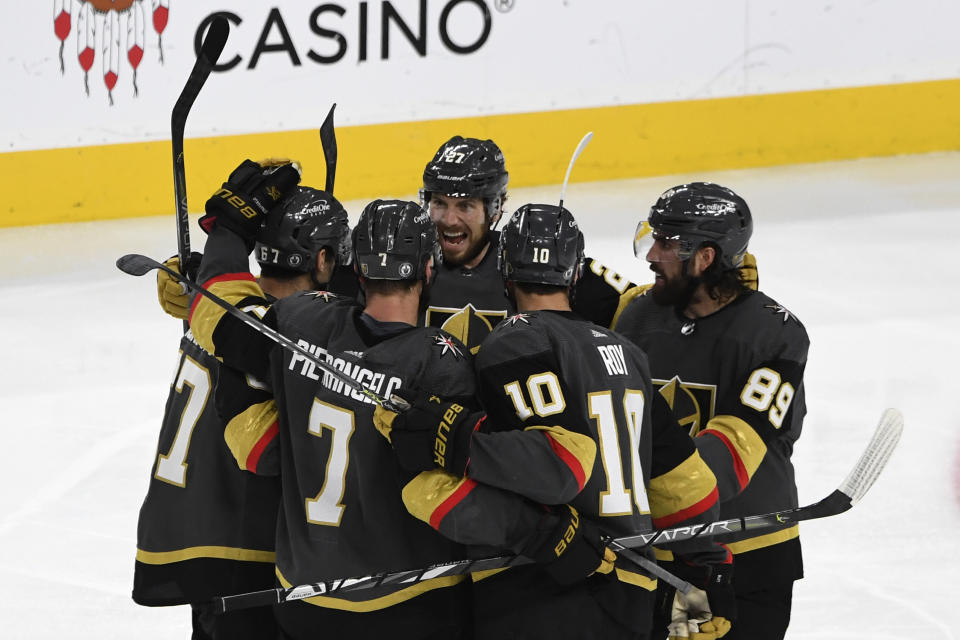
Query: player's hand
point(433, 433)
point(248, 195)
point(707, 613)
point(172, 295)
point(569, 547)
point(748, 271)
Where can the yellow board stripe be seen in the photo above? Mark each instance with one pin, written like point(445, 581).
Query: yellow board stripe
point(128, 180)
point(192, 553)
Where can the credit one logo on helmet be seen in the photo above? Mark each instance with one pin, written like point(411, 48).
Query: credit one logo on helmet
point(355, 32)
point(111, 29)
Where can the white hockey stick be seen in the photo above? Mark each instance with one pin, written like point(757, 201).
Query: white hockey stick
point(573, 159)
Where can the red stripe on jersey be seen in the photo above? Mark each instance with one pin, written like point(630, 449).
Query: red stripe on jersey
point(693, 510)
point(440, 512)
point(254, 458)
point(743, 478)
point(225, 277)
point(569, 459)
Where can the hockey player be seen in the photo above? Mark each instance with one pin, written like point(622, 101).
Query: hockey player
point(571, 421)
point(342, 513)
point(464, 188)
point(206, 528)
point(733, 361)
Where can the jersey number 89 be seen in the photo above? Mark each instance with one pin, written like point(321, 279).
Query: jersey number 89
point(763, 389)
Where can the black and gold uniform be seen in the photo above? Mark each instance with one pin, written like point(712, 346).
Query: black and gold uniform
point(571, 418)
point(735, 380)
point(342, 514)
point(205, 527)
point(469, 302)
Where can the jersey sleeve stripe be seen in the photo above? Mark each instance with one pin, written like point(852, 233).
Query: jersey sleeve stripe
point(248, 431)
point(226, 277)
point(685, 491)
point(746, 447)
point(569, 459)
point(254, 458)
point(431, 495)
point(576, 450)
point(692, 511)
point(466, 486)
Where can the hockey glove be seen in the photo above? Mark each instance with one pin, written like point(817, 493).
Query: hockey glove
point(250, 192)
point(568, 547)
point(748, 271)
point(174, 299)
point(433, 433)
point(705, 613)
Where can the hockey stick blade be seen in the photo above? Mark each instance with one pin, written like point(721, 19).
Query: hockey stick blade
point(210, 50)
point(328, 142)
point(138, 265)
point(858, 481)
point(864, 473)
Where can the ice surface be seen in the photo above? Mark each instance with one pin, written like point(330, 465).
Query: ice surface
point(863, 252)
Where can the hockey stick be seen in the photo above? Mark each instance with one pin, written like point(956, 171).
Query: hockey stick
point(860, 479)
point(573, 159)
point(210, 50)
point(328, 141)
point(138, 265)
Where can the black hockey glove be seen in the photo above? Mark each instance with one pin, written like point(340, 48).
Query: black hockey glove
point(569, 547)
point(250, 192)
point(433, 433)
point(174, 297)
point(708, 610)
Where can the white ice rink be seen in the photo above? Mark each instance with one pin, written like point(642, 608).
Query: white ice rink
point(863, 252)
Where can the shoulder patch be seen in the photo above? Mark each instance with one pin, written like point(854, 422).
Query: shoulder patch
point(324, 296)
point(778, 309)
point(447, 345)
point(518, 317)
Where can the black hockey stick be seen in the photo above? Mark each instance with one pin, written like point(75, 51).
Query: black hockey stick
point(856, 485)
point(328, 141)
point(213, 43)
point(138, 265)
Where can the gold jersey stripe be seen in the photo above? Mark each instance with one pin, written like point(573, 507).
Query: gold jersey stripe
point(768, 540)
point(682, 487)
point(428, 490)
point(482, 575)
point(192, 553)
point(247, 428)
point(749, 445)
point(206, 314)
point(637, 579)
point(374, 604)
point(581, 447)
point(663, 555)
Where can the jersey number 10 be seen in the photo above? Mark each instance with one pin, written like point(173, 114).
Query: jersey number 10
point(615, 500)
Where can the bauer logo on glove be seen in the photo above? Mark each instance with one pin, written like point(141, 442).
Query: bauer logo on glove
point(237, 202)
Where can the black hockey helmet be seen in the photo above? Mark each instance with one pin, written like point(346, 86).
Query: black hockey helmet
point(394, 240)
point(468, 168)
point(312, 220)
point(541, 244)
point(694, 214)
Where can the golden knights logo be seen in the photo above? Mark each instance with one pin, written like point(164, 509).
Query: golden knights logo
point(693, 404)
point(112, 28)
point(469, 325)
